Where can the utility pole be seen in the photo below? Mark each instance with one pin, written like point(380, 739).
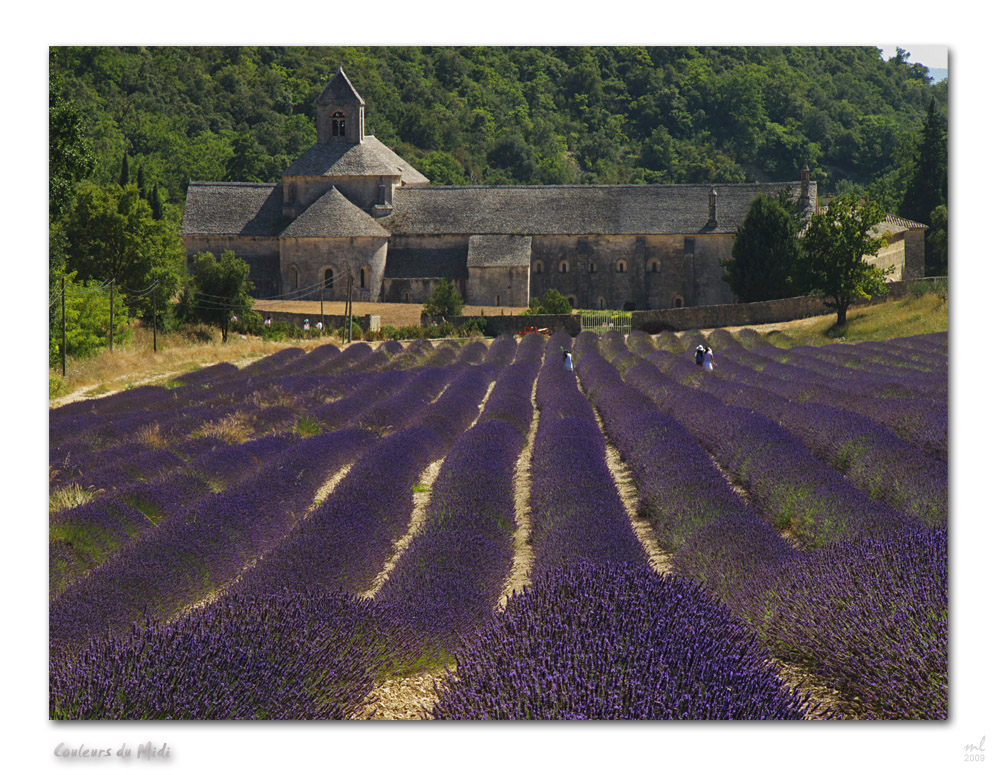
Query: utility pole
point(111, 323)
point(64, 326)
point(322, 317)
point(350, 307)
point(154, 315)
point(347, 306)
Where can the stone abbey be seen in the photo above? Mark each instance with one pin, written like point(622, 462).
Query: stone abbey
point(350, 207)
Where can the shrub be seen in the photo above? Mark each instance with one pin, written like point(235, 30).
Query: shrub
point(552, 303)
point(446, 300)
point(88, 310)
point(390, 332)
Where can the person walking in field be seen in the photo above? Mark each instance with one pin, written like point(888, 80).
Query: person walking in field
point(709, 364)
point(699, 356)
point(319, 325)
point(567, 360)
point(305, 326)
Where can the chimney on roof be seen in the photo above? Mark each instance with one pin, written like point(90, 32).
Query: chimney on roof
point(713, 197)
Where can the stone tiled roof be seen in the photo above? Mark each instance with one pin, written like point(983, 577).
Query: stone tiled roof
point(339, 157)
point(499, 250)
point(896, 223)
point(332, 215)
point(243, 209)
point(436, 263)
point(635, 209)
point(340, 91)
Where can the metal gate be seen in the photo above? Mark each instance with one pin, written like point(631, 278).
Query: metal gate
point(600, 322)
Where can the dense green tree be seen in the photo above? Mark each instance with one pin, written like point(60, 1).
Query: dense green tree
point(937, 242)
point(217, 290)
point(834, 247)
point(765, 250)
point(123, 174)
point(88, 313)
point(70, 157)
point(442, 169)
point(445, 300)
point(928, 188)
point(112, 236)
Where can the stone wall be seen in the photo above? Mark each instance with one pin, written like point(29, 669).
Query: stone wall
point(497, 286)
point(311, 257)
point(501, 325)
point(750, 314)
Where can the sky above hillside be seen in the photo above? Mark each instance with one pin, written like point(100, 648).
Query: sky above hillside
point(931, 57)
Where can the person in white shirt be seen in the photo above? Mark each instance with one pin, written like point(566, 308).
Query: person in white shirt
point(709, 364)
point(306, 326)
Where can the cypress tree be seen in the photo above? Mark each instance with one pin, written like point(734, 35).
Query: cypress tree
point(140, 181)
point(156, 204)
point(928, 188)
point(123, 176)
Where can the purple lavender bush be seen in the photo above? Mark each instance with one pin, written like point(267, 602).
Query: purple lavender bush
point(611, 642)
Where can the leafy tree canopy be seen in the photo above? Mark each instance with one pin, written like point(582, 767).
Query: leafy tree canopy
point(765, 250)
point(217, 290)
point(552, 303)
point(445, 300)
point(835, 244)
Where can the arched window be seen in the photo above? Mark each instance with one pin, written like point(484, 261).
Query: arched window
point(328, 278)
point(563, 267)
point(678, 301)
point(406, 296)
point(592, 268)
point(600, 302)
point(539, 267)
point(294, 277)
point(339, 124)
point(364, 277)
point(622, 267)
point(498, 300)
point(572, 301)
point(653, 266)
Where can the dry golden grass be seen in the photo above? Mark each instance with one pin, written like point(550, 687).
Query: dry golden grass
point(68, 497)
point(234, 428)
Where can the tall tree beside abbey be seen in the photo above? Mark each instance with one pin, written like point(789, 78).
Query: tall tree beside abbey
point(496, 115)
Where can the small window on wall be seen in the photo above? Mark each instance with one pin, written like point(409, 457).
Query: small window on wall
point(291, 194)
point(600, 302)
point(678, 301)
point(563, 267)
point(572, 301)
point(364, 277)
point(592, 268)
point(328, 278)
point(406, 295)
point(622, 267)
point(339, 125)
point(539, 267)
point(498, 300)
point(294, 277)
point(653, 266)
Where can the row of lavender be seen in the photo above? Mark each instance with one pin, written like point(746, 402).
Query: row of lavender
point(139, 495)
point(337, 550)
point(598, 635)
point(868, 613)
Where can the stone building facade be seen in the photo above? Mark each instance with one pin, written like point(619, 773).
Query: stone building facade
point(349, 207)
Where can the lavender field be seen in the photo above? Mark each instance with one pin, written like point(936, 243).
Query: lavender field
point(638, 539)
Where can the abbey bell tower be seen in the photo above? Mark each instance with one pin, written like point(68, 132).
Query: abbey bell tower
point(340, 112)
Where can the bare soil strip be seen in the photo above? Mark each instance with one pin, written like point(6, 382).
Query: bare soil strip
point(823, 698)
point(524, 556)
point(402, 699)
point(408, 698)
point(421, 497)
point(659, 560)
point(321, 495)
